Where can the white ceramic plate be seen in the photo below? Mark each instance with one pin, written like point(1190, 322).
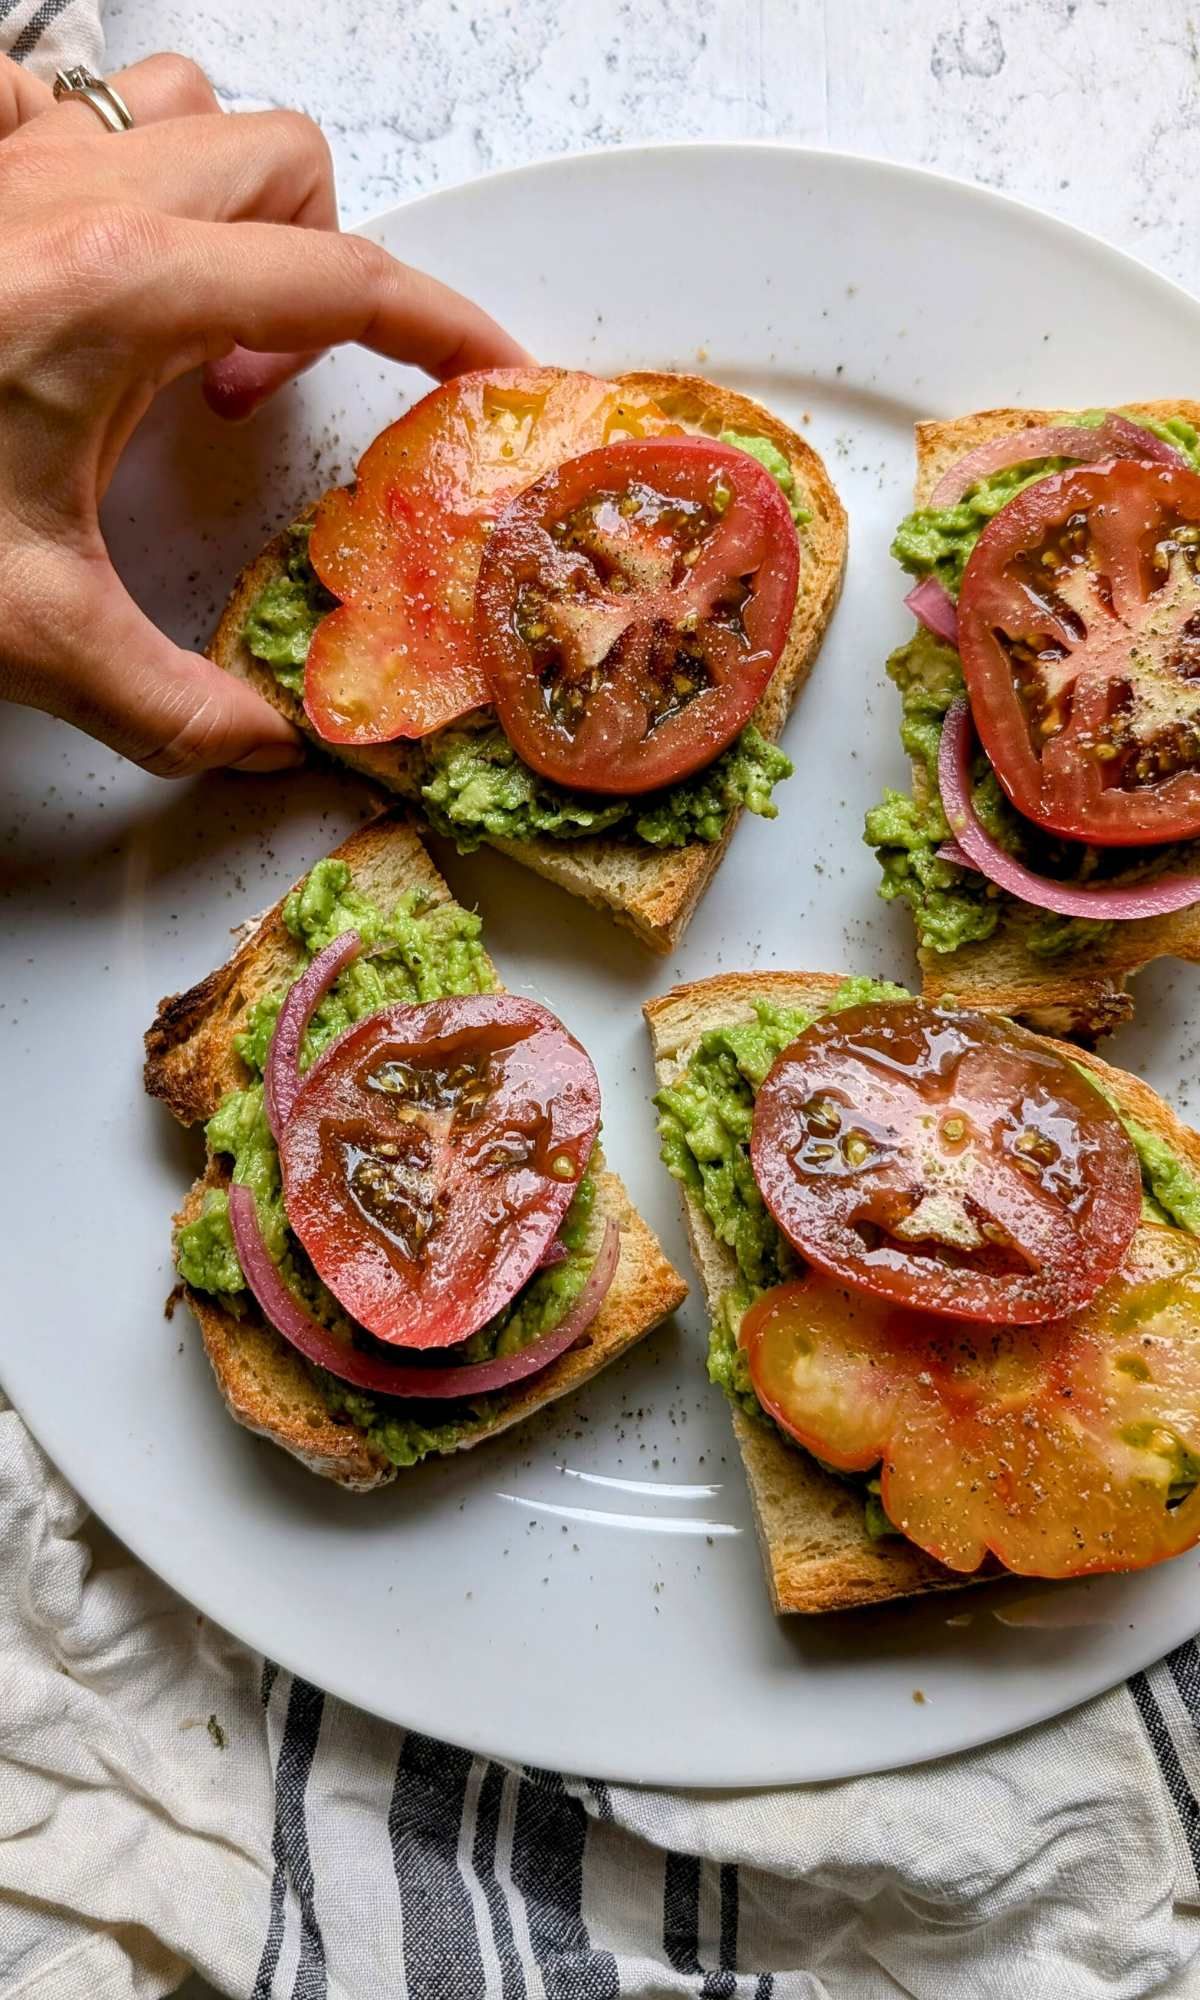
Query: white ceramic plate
point(587, 1593)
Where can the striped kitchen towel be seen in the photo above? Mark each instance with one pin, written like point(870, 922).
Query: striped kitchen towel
point(168, 1801)
point(47, 35)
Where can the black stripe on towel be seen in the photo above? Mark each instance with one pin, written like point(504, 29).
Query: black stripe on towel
point(722, 1985)
point(1184, 1668)
point(681, 1926)
point(483, 1857)
point(681, 1912)
point(601, 1798)
point(549, 1838)
point(289, 1845)
point(36, 26)
point(1182, 1796)
point(273, 1942)
point(442, 1959)
point(306, 1705)
point(729, 1915)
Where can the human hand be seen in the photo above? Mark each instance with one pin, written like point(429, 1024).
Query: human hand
point(200, 239)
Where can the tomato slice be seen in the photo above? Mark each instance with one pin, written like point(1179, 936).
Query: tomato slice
point(632, 607)
point(947, 1160)
point(431, 1154)
point(1055, 1448)
point(1079, 628)
point(401, 548)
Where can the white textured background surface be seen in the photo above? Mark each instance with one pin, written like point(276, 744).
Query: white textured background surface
point(1090, 108)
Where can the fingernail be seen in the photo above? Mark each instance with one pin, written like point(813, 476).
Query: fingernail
point(272, 757)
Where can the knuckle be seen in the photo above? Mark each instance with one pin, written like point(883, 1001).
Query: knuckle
point(367, 265)
point(51, 612)
point(201, 741)
point(14, 159)
point(181, 82)
point(38, 169)
point(34, 597)
point(100, 243)
point(305, 134)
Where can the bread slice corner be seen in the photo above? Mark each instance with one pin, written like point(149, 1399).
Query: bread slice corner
point(817, 1554)
point(1084, 994)
point(651, 891)
point(816, 1551)
point(191, 1064)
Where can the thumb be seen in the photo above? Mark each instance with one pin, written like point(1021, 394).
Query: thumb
point(173, 712)
point(236, 385)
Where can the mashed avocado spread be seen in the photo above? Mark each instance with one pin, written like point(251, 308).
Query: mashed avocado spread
point(475, 787)
point(953, 906)
point(704, 1124)
point(471, 782)
point(937, 541)
point(772, 459)
point(279, 625)
point(421, 951)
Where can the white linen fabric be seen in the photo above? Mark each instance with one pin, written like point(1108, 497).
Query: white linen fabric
point(169, 1800)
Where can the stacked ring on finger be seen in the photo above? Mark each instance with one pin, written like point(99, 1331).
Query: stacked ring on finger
point(108, 104)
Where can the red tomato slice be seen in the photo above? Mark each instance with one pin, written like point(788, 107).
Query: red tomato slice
point(946, 1160)
point(430, 1156)
point(401, 549)
point(632, 607)
point(1054, 1447)
point(1079, 629)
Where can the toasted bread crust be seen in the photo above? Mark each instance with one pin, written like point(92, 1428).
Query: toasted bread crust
point(651, 891)
point(1084, 994)
point(268, 1388)
point(816, 1551)
point(191, 1064)
point(817, 1555)
point(190, 1058)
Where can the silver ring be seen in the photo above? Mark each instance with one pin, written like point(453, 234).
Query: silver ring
point(108, 104)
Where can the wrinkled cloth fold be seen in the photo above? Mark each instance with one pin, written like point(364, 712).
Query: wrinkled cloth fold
point(170, 1800)
point(47, 35)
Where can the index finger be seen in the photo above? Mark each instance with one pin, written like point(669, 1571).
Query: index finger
point(277, 290)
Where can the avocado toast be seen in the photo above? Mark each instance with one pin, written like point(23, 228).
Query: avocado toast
point(647, 860)
point(205, 1055)
point(989, 948)
point(827, 1542)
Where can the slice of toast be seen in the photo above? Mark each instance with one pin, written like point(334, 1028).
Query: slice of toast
point(1084, 993)
point(652, 891)
point(816, 1550)
point(191, 1064)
